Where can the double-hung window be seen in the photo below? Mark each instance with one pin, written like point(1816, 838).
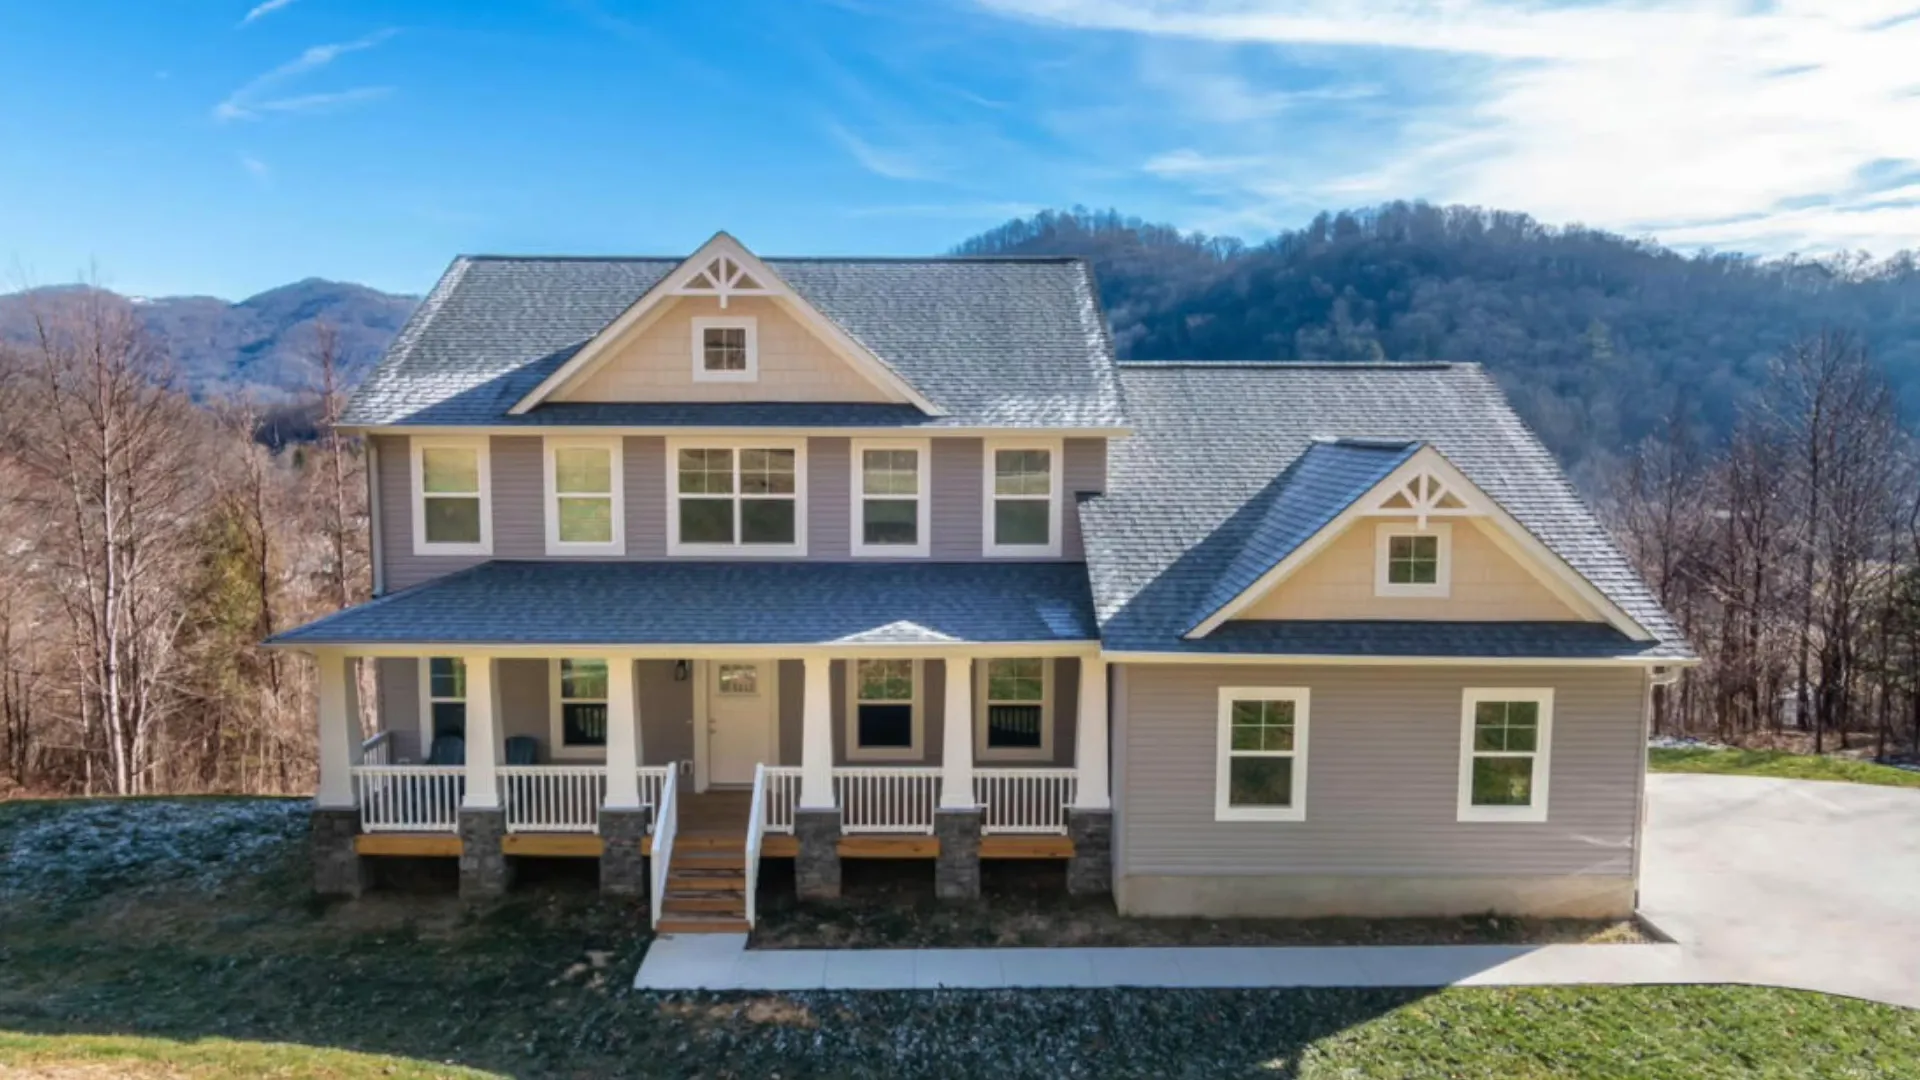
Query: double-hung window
point(1015, 710)
point(736, 499)
point(1022, 498)
point(883, 715)
point(451, 511)
point(579, 700)
point(1411, 561)
point(585, 507)
point(725, 349)
point(1505, 736)
point(1260, 772)
point(443, 695)
point(890, 497)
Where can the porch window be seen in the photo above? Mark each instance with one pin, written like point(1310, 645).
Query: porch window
point(1411, 561)
point(1014, 713)
point(584, 503)
point(725, 349)
point(446, 698)
point(884, 715)
point(1504, 739)
point(890, 504)
point(1022, 514)
point(1261, 755)
point(450, 511)
point(737, 500)
point(580, 703)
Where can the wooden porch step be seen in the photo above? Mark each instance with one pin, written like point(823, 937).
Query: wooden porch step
point(710, 841)
point(678, 903)
point(705, 878)
point(1026, 847)
point(708, 859)
point(702, 923)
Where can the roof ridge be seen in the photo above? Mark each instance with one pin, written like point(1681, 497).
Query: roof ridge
point(1304, 365)
point(878, 259)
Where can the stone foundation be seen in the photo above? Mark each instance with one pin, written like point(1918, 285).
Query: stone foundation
point(623, 870)
point(956, 872)
point(338, 869)
point(817, 867)
point(1090, 871)
point(1304, 896)
point(485, 870)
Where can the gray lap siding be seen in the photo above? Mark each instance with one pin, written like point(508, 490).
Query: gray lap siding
point(1382, 775)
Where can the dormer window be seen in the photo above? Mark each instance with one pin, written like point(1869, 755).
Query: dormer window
point(725, 350)
point(1413, 562)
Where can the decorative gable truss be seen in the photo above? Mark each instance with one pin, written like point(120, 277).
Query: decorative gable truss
point(723, 270)
point(1427, 487)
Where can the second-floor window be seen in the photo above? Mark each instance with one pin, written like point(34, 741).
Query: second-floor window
point(725, 349)
point(451, 512)
point(1413, 562)
point(585, 511)
point(1023, 504)
point(741, 499)
point(890, 498)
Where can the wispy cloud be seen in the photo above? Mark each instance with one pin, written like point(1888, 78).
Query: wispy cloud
point(892, 164)
point(1705, 121)
point(264, 9)
point(256, 168)
point(263, 94)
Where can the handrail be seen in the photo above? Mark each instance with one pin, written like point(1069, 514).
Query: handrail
point(377, 749)
point(783, 794)
point(409, 798)
point(666, 822)
point(887, 798)
point(756, 829)
point(553, 798)
point(652, 778)
point(1023, 800)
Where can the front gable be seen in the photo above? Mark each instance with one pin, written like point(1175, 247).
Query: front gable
point(724, 327)
point(1490, 568)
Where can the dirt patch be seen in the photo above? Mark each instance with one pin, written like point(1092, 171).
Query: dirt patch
point(890, 905)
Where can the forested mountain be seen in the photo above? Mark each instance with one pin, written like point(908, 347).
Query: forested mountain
point(263, 344)
point(1596, 337)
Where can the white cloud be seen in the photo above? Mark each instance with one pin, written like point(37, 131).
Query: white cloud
point(892, 164)
point(259, 94)
point(1763, 126)
point(264, 9)
point(256, 168)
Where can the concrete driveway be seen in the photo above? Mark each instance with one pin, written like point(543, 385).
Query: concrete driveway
point(1789, 882)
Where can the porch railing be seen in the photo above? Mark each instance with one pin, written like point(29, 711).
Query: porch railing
point(1023, 800)
point(666, 824)
point(885, 799)
point(652, 779)
point(409, 798)
point(783, 794)
point(377, 749)
point(553, 798)
point(756, 830)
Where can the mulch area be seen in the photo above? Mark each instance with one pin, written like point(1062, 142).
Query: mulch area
point(889, 904)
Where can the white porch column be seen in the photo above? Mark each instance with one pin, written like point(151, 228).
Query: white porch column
point(339, 733)
point(1090, 740)
point(956, 739)
point(623, 736)
point(816, 737)
point(483, 735)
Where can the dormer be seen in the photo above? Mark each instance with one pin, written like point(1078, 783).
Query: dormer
point(723, 327)
point(1389, 529)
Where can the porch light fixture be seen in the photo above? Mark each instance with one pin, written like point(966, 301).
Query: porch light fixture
point(679, 671)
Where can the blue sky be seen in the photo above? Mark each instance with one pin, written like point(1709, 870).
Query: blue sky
point(207, 146)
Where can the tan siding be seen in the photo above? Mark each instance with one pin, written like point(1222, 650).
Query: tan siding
point(1382, 775)
point(657, 364)
point(1338, 583)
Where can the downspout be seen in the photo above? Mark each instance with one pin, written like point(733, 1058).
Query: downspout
point(1661, 675)
point(374, 553)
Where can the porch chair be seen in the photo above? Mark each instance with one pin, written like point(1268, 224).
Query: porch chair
point(523, 750)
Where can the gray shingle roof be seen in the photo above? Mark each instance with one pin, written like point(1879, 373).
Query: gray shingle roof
point(707, 603)
point(1195, 481)
point(1327, 637)
point(994, 342)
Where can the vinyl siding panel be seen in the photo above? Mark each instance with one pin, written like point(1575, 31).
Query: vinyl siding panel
point(646, 491)
point(519, 486)
point(397, 693)
point(829, 488)
point(1083, 468)
point(955, 479)
point(1382, 775)
point(666, 713)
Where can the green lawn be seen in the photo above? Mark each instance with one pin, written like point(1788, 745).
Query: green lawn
point(1781, 764)
point(131, 952)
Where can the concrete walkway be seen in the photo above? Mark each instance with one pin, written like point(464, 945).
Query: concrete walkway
point(1765, 882)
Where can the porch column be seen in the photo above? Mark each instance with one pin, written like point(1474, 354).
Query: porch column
point(339, 734)
point(816, 737)
point(623, 737)
point(483, 736)
point(1090, 818)
point(956, 741)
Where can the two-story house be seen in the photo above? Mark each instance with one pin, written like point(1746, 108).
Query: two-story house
point(687, 564)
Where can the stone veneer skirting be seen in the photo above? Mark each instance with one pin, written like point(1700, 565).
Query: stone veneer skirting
point(485, 870)
point(1090, 871)
point(338, 868)
point(1374, 896)
point(956, 871)
point(817, 866)
point(623, 869)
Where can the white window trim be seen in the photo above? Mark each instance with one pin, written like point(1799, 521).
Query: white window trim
point(481, 446)
point(1542, 756)
point(1050, 549)
point(615, 449)
point(428, 701)
point(914, 751)
point(1223, 810)
point(557, 747)
point(1384, 534)
point(736, 549)
point(704, 323)
point(983, 752)
point(924, 500)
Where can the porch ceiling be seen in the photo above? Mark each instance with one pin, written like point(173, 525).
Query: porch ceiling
point(588, 602)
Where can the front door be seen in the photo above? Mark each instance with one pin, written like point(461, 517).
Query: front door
point(740, 711)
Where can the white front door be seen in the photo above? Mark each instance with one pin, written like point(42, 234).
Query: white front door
point(740, 712)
